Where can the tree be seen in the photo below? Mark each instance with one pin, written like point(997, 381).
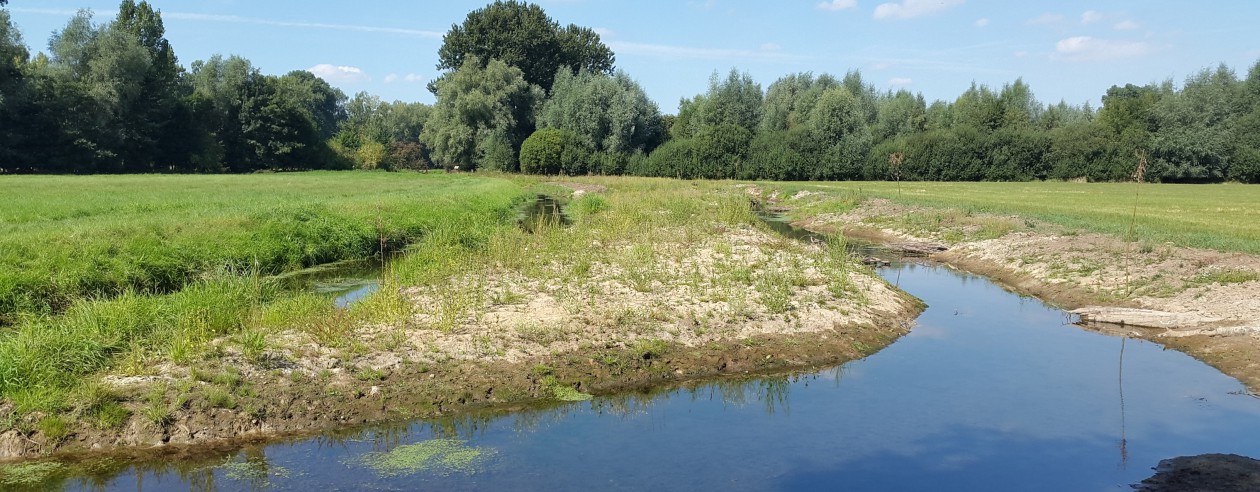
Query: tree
point(523, 36)
point(899, 114)
point(608, 113)
point(790, 99)
point(482, 110)
point(1194, 136)
point(13, 94)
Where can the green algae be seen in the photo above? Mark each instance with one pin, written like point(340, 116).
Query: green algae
point(440, 456)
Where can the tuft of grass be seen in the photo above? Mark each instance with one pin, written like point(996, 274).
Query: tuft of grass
point(55, 428)
point(218, 397)
point(1226, 276)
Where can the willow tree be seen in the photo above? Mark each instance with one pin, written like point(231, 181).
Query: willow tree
point(482, 114)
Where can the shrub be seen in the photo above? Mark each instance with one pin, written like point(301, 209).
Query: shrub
point(554, 151)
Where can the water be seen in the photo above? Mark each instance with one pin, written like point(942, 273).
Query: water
point(346, 281)
point(544, 210)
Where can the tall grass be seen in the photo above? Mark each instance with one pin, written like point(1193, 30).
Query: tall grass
point(64, 238)
point(91, 298)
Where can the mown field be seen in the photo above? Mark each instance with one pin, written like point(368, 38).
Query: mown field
point(97, 271)
point(1224, 217)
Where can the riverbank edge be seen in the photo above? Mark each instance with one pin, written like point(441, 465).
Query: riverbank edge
point(1236, 356)
point(467, 387)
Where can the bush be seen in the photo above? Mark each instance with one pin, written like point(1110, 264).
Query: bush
point(541, 152)
point(554, 151)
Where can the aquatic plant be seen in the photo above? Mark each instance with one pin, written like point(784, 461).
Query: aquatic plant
point(29, 474)
point(439, 456)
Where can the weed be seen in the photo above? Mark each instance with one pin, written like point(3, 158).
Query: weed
point(157, 414)
point(370, 375)
point(220, 398)
point(253, 343)
point(1225, 276)
point(55, 428)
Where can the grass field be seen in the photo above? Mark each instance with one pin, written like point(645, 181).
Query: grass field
point(97, 271)
point(1224, 217)
point(64, 238)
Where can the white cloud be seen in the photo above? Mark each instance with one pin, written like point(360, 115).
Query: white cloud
point(1086, 48)
point(1090, 17)
point(1021, 53)
point(838, 5)
point(339, 74)
point(770, 47)
point(895, 81)
point(604, 32)
point(907, 9)
point(1046, 18)
point(409, 78)
point(982, 22)
point(1125, 25)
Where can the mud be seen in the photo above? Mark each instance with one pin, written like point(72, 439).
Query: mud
point(1204, 473)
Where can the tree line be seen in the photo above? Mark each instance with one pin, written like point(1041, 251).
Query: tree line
point(521, 93)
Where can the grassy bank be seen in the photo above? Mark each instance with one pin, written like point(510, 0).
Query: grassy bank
point(122, 272)
point(65, 238)
point(1224, 217)
point(653, 281)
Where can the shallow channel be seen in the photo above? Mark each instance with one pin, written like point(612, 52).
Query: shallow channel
point(990, 391)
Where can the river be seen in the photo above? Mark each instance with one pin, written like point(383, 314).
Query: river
point(989, 391)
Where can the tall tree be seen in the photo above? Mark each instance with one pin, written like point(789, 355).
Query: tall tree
point(13, 58)
point(523, 36)
point(483, 113)
point(608, 113)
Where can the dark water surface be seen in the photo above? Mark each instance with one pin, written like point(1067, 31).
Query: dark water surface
point(990, 391)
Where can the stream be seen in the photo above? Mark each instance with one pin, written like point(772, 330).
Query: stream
point(989, 391)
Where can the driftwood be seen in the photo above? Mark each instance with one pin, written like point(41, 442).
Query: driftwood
point(1146, 318)
point(917, 248)
point(873, 261)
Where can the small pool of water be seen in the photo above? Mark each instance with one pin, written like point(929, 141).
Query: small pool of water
point(542, 211)
point(346, 281)
point(989, 391)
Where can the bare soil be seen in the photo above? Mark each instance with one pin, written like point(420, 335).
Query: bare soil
point(1211, 293)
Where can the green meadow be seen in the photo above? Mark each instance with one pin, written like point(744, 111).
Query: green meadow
point(1223, 217)
point(102, 271)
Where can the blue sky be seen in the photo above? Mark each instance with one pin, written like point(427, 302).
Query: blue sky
point(1066, 50)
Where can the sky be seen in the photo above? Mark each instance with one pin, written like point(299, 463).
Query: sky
point(1071, 50)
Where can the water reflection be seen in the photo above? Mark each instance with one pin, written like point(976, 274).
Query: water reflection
point(545, 211)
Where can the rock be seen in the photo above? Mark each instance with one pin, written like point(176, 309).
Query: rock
point(1147, 318)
